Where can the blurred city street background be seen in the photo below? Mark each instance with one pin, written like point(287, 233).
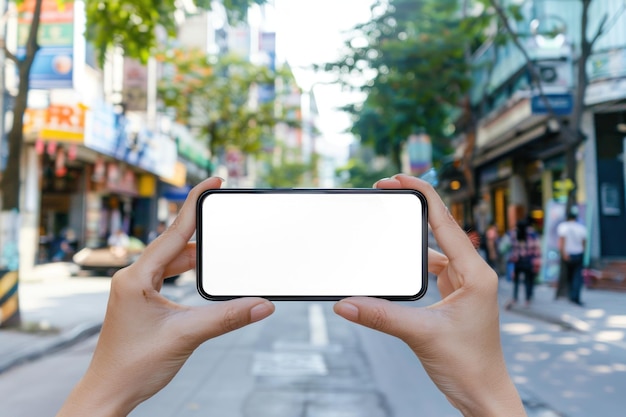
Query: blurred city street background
point(515, 111)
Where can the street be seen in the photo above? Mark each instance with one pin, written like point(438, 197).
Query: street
point(306, 361)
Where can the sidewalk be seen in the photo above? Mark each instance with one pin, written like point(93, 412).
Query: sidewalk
point(68, 309)
point(600, 310)
point(59, 310)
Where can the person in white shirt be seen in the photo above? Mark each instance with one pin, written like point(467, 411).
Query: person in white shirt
point(119, 242)
point(572, 241)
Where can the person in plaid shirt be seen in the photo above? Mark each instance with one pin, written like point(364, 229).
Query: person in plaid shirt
point(525, 255)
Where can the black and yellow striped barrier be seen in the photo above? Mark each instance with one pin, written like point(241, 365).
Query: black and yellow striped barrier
point(9, 306)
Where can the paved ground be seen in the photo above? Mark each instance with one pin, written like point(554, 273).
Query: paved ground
point(58, 310)
point(67, 309)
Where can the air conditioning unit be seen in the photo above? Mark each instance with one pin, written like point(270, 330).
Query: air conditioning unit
point(556, 75)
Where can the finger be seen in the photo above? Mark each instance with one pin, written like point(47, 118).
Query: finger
point(174, 239)
point(444, 285)
point(452, 239)
point(185, 261)
point(437, 262)
point(385, 316)
point(209, 321)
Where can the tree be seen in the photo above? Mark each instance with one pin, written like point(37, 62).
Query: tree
point(289, 171)
point(410, 61)
point(212, 95)
point(130, 25)
point(356, 173)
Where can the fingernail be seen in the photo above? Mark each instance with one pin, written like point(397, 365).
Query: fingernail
point(347, 311)
point(223, 180)
point(260, 311)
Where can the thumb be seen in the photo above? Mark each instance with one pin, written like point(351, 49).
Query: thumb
point(207, 322)
point(382, 315)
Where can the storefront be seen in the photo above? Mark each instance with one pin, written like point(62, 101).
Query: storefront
point(610, 134)
point(62, 186)
point(95, 176)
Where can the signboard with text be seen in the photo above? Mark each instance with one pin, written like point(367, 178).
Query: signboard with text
point(54, 63)
point(560, 104)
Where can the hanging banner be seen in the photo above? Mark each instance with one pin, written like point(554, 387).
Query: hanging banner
point(420, 150)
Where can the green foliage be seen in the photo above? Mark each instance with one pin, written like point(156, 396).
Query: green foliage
point(284, 168)
point(211, 95)
point(415, 61)
point(286, 175)
point(359, 174)
point(132, 24)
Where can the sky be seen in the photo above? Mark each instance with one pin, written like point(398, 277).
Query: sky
point(308, 32)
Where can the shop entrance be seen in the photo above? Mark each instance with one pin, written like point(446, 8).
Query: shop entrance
point(611, 207)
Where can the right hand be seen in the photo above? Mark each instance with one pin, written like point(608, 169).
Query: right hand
point(458, 338)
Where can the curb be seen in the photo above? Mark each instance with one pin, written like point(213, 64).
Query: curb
point(55, 344)
point(67, 339)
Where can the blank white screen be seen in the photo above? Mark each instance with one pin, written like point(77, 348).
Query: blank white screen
point(311, 244)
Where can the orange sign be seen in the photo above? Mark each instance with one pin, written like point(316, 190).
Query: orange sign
point(59, 123)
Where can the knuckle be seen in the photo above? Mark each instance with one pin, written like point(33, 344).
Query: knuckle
point(232, 320)
point(378, 319)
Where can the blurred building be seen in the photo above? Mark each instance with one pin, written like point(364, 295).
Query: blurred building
point(255, 41)
point(509, 164)
point(97, 154)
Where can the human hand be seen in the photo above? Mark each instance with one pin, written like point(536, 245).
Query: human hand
point(458, 338)
point(145, 337)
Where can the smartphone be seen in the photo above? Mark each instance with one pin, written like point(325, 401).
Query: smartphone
point(311, 244)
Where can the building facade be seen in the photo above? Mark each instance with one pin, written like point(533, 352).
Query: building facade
point(517, 154)
point(97, 156)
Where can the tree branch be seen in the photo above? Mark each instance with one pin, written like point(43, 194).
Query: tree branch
point(9, 55)
point(536, 80)
point(601, 30)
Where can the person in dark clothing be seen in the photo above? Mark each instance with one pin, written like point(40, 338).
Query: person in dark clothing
point(525, 255)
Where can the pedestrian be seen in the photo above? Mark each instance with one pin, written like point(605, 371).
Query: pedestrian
point(491, 247)
point(504, 248)
point(65, 247)
point(146, 338)
point(572, 243)
point(525, 256)
point(119, 242)
point(156, 233)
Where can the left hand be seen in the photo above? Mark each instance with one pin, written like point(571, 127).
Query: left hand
point(145, 337)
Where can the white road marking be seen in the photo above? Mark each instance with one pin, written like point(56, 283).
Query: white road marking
point(317, 325)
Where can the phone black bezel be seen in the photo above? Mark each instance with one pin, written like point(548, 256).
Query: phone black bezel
point(199, 239)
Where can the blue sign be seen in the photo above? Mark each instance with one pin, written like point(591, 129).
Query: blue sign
point(173, 193)
point(53, 67)
point(561, 104)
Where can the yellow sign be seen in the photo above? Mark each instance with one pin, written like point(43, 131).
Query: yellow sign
point(562, 188)
point(59, 123)
point(147, 185)
point(179, 179)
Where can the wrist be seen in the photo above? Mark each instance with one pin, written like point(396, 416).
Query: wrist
point(496, 405)
point(494, 399)
point(490, 393)
point(95, 397)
